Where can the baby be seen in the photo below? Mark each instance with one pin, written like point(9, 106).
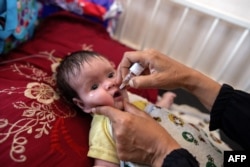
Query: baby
point(87, 79)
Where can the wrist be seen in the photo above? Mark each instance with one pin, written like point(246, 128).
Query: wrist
point(163, 149)
point(191, 79)
point(199, 85)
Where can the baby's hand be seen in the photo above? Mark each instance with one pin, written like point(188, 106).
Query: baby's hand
point(167, 100)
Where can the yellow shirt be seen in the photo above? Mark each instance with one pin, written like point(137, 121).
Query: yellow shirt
point(101, 143)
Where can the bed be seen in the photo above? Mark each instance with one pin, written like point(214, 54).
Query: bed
point(37, 128)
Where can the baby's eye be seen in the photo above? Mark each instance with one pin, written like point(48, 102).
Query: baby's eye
point(94, 87)
point(111, 75)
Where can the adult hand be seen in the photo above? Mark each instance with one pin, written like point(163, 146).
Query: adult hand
point(162, 72)
point(139, 138)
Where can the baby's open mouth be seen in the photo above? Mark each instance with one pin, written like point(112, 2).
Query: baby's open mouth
point(117, 94)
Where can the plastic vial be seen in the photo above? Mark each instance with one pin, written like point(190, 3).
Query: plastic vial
point(135, 70)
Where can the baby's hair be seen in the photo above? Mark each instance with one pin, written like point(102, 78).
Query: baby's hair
point(70, 67)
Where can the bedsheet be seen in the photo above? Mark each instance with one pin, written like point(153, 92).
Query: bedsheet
point(197, 118)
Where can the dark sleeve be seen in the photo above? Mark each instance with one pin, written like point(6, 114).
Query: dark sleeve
point(180, 158)
point(231, 114)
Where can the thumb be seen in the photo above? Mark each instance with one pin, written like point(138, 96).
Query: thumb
point(143, 81)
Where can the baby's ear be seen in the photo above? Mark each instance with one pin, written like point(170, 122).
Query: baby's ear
point(81, 105)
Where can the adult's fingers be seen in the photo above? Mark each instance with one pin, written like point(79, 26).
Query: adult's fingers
point(142, 57)
point(144, 81)
point(128, 59)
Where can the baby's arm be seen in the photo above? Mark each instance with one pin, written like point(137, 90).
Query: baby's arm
point(102, 163)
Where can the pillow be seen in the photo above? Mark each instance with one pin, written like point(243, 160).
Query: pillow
point(37, 128)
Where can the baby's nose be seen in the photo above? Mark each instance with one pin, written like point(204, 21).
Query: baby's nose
point(109, 84)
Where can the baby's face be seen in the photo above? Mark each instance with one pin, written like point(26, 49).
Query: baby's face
point(96, 85)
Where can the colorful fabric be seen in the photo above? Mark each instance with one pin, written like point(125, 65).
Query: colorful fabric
point(105, 12)
point(18, 18)
point(17, 22)
point(98, 9)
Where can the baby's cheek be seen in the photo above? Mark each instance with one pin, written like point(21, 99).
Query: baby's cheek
point(103, 99)
point(98, 98)
point(106, 102)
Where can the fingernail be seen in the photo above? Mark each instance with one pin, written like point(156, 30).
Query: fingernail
point(131, 83)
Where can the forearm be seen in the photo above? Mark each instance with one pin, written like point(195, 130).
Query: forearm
point(164, 148)
point(203, 87)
